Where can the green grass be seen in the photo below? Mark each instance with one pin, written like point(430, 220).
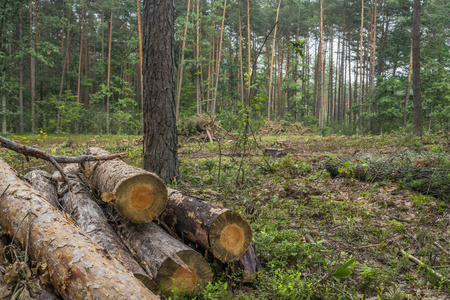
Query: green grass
point(289, 199)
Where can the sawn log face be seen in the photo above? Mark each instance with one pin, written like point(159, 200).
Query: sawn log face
point(174, 264)
point(224, 232)
point(77, 267)
point(136, 194)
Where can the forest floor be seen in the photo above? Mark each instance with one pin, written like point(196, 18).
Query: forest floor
point(317, 237)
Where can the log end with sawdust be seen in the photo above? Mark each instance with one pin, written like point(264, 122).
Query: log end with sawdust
point(136, 194)
point(223, 232)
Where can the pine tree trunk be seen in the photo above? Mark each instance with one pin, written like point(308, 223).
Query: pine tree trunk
point(181, 66)
point(330, 78)
point(417, 97)
point(372, 70)
point(77, 267)
point(269, 99)
point(135, 194)
point(108, 74)
point(249, 48)
point(32, 72)
point(349, 85)
point(405, 109)
point(20, 74)
point(141, 90)
point(361, 85)
point(321, 61)
point(224, 232)
point(241, 72)
point(160, 150)
point(213, 109)
point(198, 68)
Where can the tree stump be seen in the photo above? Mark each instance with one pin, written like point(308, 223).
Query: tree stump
point(222, 231)
point(136, 194)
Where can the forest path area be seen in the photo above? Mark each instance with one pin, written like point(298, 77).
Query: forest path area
point(315, 236)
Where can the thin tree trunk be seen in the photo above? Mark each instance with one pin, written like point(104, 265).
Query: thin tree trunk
point(249, 70)
point(108, 75)
point(86, 58)
point(103, 56)
point(181, 66)
point(269, 99)
point(240, 56)
point(417, 97)
point(342, 85)
point(141, 80)
point(213, 109)
point(361, 72)
point(32, 73)
point(405, 110)
point(372, 71)
point(321, 61)
point(330, 78)
point(197, 77)
point(20, 73)
point(349, 85)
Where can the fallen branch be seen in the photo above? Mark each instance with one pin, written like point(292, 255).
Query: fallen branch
point(55, 160)
point(428, 268)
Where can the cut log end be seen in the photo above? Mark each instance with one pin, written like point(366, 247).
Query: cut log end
point(172, 276)
point(230, 236)
point(141, 198)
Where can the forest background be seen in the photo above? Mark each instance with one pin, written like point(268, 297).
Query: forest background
point(73, 66)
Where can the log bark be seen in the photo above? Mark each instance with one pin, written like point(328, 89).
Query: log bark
point(89, 216)
point(77, 267)
point(175, 265)
point(249, 263)
point(426, 180)
point(43, 183)
point(136, 194)
point(223, 232)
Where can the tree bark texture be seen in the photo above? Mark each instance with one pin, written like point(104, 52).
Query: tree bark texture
point(136, 194)
point(42, 182)
point(417, 97)
point(89, 216)
point(429, 181)
point(174, 265)
point(77, 267)
point(224, 232)
point(160, 133)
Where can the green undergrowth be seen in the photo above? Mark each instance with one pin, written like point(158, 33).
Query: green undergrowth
point(316, 237)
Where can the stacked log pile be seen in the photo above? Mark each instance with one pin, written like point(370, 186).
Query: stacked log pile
point(116, 251)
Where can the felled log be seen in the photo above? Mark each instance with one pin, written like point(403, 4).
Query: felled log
point(425, 180)
point(223, 232)
point(43, 183)
point(137, 195)
point(80, 203)
point(77, 267)
point(175, 265)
